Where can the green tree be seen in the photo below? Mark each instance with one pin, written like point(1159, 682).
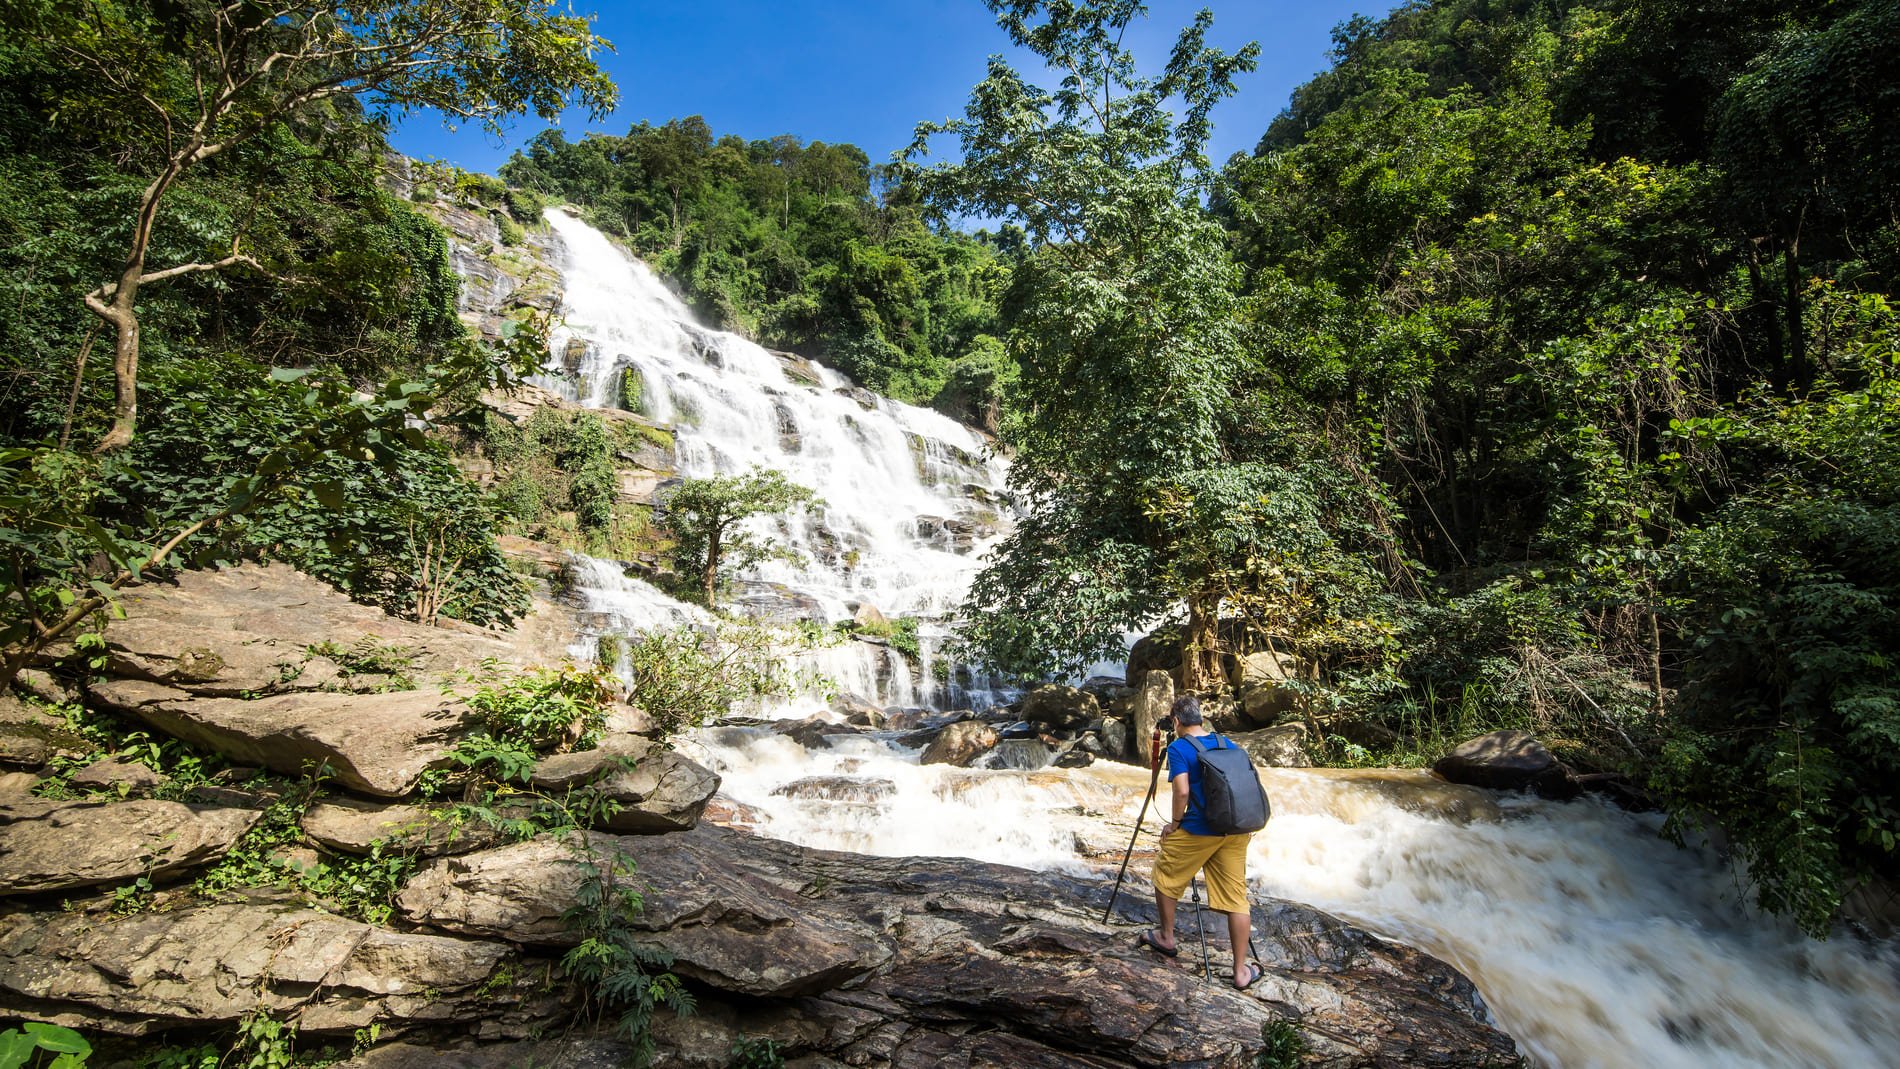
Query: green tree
point(707, 518)
point(181, 84)
point(1121, 319)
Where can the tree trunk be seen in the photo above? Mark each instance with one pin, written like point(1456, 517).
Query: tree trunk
point(1797, 333)
point(1200, 654)
point(1655, 663)
point(121, 315)
point(709, 572)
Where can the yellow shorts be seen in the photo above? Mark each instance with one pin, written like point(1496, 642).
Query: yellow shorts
point(1223, 857)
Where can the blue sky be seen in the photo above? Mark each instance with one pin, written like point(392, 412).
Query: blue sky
point(867, 72)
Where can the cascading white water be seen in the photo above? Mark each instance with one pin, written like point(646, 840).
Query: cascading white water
point(910, 497)
point(1597, 945)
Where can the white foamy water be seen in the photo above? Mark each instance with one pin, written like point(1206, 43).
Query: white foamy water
point(1595, 943)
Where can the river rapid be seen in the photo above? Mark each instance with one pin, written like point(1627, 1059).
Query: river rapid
point(1595, 942)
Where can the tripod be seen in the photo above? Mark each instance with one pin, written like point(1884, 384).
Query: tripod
point(1154, 779)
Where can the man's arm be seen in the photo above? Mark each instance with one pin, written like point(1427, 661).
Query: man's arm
point(1182, 795)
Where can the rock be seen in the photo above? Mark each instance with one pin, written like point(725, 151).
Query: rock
point(1019, 729)
point(351, 826)
point(1152, 702)
point(377, 744)
point(45, 686)
point(249, 630)
point(1159, 651)
point(856, 710)
point(728, 813)
point(1020, 755)
point(868, 616)
point(1115, 739)
point(128, 776)
point(30, 736)
point(656, 790)
point(1503, 760)
point(960, 744)
point(214, 964)
point(1107, 689)
point(58, 845)
point(1260, 681)
point(567, 1052)
point(812, 731)
point(1276, 747)
point(1060, 706)
point(729, 921)
point(837, 789)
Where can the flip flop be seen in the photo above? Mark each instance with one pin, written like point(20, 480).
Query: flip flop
point(1147, 939)
point(1258, 972)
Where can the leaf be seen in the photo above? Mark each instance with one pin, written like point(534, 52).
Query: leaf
point(56, 1039)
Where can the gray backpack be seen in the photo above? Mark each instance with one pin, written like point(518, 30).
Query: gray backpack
point(1235, 802)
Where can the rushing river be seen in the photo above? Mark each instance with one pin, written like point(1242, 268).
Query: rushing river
point(1596, 943)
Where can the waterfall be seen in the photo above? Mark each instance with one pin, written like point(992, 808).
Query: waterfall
point(910, 498)
point(1597, 944)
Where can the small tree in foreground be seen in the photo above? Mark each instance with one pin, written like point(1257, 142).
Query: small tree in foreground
point(707, 516)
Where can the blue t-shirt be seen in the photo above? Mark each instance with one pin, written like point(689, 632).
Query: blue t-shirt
point(1184, 759)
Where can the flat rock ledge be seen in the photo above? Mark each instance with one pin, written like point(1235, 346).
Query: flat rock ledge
point(56, 846)
point(212, 965)
point(376, 744)
point(838, 959)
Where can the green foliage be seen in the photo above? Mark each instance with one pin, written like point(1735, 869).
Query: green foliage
point(791, 244)
point(1283, 1046)
point(708, 521)
point(34, 1045)
point(557, 478)
point(686, 677)
point(361, 887)
point(368, 657)
point(541, 708)
point(755, 1052)
point(615, 972)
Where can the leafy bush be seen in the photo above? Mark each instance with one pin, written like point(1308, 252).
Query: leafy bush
point(33, 1041)
point(686, 677)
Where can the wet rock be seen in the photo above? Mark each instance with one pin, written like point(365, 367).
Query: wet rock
point(812, 731)
point(837, 789)
point(115, 774)
point(352, 826)
point(775, 603)
point(1261, 682)
point(1369, 794)
point(1115, 739)
point(1503, 760)
point(1020, 729)
point(868, 616)
point(960, 744)
point(52, 846)
point(730, 922)
point(656, 790)
point(859, 712)
point(1276, 747)
point(1020, 755)
point(1060, 706)
point(378, 744)
point(730, 813)
point(214, 964)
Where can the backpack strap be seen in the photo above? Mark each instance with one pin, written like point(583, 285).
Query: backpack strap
point(1195, 741)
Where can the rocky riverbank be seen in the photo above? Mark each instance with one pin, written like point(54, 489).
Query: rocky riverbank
point(126, 911)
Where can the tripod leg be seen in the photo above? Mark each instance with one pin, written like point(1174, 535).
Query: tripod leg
point(1207, 971)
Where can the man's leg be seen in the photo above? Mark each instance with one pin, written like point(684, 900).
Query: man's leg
point(1239, 928)
point(1164, 928)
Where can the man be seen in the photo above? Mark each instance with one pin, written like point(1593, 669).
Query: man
point(1188, 847)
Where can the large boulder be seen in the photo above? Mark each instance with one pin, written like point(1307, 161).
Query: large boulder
point(1153, 698)
point(1276, 747)
point(353, 826)
point(378, 744)
point(1156, 652)
point(1507, 760)
point(960, 744)
point(653, 790)
point(211, 965)
point(1261, 683)
point(858, 711)
point(1060, 706)
point(728, 921)
point(251, 630)
point(53, 846)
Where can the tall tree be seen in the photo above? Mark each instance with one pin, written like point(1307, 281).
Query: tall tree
point(707, 519)
point(1123, 321)
point(183, 83)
